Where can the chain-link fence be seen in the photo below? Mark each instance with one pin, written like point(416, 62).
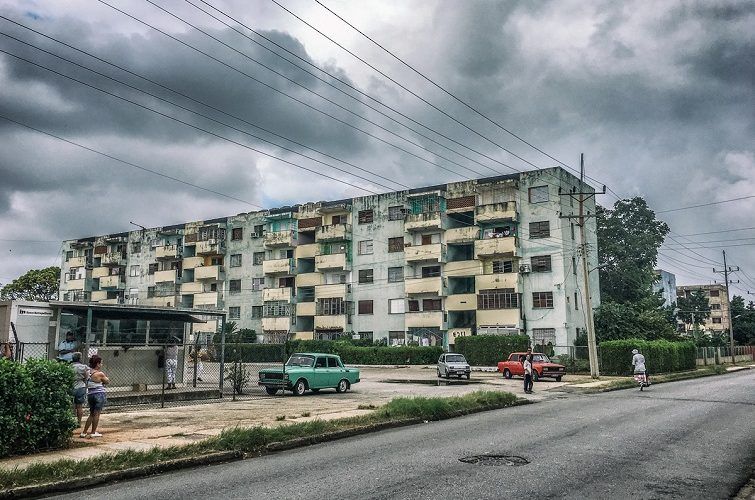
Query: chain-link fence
point(24, 351)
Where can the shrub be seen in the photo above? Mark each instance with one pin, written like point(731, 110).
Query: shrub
point(389, 355)
point(573, 365)
point(37, 409)
point(661, 356)
point(488, 350)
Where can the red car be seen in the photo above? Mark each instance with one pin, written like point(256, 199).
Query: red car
point(541, 364)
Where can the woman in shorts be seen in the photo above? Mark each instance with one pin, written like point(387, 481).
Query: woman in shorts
point(95, 395)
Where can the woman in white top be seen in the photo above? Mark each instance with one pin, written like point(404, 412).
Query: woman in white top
point(640, 373)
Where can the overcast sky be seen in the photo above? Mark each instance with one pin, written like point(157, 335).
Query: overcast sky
point(658, 95)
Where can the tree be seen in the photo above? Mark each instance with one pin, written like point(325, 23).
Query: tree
point(743, 321)
point(37, 284)
point(695, 306)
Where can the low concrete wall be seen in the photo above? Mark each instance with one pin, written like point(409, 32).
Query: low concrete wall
point(136, 365)
point(740, 358)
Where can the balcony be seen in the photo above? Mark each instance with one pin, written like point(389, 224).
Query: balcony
point(424, 285)
point(168, 276)
point(283, 294)
point(424, 319)
point(279, 266)
point(462, 268)
point(454, 333)
point(211, 273)
point(285, 238)
point(113, 259)
point(113, 282)
point(336, 261)
point(192, 262)
point(191, 288)
point(333, 232)
point(99, 272)
point(304, 336)
point(461, 302)
point(462, 234)
point(99, 295)
point(276, 324)
point(335, 322)
point(169, 252)
point(78, 262)
point(80, 284)
point(497, 281)
point(308, 279)
point(210, 247)
point(436, 253)
point(306, 309)
point(495, 247)
point(166, 301)
point(306, 251)
point(328, 291)
point(207, 300)
point(495, 212)
point(498, 317)
point(425, 220)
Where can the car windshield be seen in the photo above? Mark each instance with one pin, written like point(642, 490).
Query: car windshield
point(542, 358)
point(457, 358)
point(299, 360)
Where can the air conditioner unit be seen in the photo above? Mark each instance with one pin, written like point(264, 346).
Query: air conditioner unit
point(256, 235)
point(407, 244)
point(524, 268)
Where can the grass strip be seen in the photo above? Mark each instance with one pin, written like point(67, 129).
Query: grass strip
point(630, 383)
point(255, 439)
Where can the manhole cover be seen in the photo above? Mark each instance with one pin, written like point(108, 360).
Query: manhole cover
point(495, 460)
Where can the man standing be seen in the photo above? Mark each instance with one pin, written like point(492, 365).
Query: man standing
point(528, 374)
point(81, 374)
point(171, 363)
point(67, 347)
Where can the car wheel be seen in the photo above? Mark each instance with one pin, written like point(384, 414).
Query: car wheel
point(535, 376)
point(506, 373)
point(558, 379)
point(342, 386)
point(271, 391)
point(438, 373)
point(300, 387)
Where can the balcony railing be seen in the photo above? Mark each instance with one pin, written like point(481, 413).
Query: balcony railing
point(338, 261)
point(435, 252)
point(279, 266)
point(462, 234)
point(425, 220)
point(424, 319)
point(168, 252)
point(210, 247)
point(277, 294)
point(461, 302)
point(212, 273)
point(113, 259)
point(114, 281)
point(497, 281)
point(167, 276)
point(335, 290)
point(433, 284)
point(496, 247)
point(333, 232)
point(285, 238)
point(494, 212)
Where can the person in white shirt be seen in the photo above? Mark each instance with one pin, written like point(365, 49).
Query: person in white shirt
point(528, 374)
point(67, 347)
point(638, 362)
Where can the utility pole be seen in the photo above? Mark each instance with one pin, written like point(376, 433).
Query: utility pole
point(592, 348)
point(726, 272)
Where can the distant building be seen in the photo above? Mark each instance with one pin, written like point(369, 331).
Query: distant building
point(718, 321)
point(665, 283)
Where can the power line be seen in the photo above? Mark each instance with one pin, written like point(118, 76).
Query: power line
point(705, 204)
point(721, 231)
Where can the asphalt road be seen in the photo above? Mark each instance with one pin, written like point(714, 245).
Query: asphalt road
point(691, 439)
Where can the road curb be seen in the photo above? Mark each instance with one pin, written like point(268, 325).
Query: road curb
point(108, 477)
point(33, 491)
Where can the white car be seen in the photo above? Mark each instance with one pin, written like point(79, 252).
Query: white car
point(452, 364)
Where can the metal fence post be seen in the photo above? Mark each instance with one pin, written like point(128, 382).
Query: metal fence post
point(162, 391)
point(222, 353)
point(196, 359)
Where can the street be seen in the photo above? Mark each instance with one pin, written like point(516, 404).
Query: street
point(691, 439)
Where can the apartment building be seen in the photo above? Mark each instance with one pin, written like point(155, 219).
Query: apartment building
point(426, 265)
point(718, 321)
point(665, 282)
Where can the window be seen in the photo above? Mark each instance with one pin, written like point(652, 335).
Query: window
point(396, 306)
point(544, 336)
point(396, 213)
point(234, 286)
point(715, 307)
point(258, 284)
point(432, 304)
point(430, 271)
point(259, 230)
point(574, 265)
point(258, 258)
point(413, 305)
point(256, 311)
point(152, 268)
point(714, 293)
point(237, 233)
point(538, 194)
point(576, 302)
point(136, 247)
point(333, 362)
point(236, 260)
point(542, 300)
point(365, 247)
point(503, 266)
point(395, 274)
point(69, 255)
point(716, 320)
point(321, 363)
point(503, 298)
point(332, 306)
point(365, 336)
point(572, 232)
point(396, 244)
point(365, 307)
point(338, 219)
point(134, 271)
point(150, 292)
point(366, 216)
point(540, 229)
point(365, 275)
point(540, 263)
point(234, 312)
point(396, 338)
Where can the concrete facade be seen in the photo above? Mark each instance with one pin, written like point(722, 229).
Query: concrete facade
point(718, 321)
point(426, 265)
point(666, 284)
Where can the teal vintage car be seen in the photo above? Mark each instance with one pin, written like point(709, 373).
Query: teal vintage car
point(309, 371)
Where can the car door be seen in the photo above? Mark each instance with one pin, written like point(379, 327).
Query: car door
point(517, 364)
point(442, 368)
point(335, 371)
point(320, 374)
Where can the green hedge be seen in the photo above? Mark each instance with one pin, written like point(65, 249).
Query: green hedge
point(403, 355)
point(37, 406)
point(488, 350)
point(661, 356)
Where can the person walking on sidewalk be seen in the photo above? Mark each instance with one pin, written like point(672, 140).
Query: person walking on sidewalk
point(95, 395)
point(640, 372)
point(171, 363)
point(80, 374)
point(528, 374)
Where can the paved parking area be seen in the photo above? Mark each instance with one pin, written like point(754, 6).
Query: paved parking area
point(144, 429)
